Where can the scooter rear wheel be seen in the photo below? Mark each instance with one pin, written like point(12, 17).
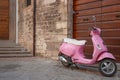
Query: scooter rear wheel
point(68, 63)
point(107, 67)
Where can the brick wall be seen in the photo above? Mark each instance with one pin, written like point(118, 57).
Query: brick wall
point(26, 25)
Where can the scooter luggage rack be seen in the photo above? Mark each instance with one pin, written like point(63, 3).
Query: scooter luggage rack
point(74, 41)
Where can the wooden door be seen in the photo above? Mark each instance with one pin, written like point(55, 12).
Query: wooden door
point(4, 19)
point(107, 13)
point(111, 26)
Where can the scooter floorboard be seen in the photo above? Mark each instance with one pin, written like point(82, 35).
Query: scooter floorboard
point(86, 67)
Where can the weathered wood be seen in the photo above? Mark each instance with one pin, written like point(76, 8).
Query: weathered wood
point(105, 33)
point(103, 25)
point(107, 14)
point(104, 17)
point(76, 2)
point(95, 11)
point(110, 2)
point(4, 19)
point(87, 6)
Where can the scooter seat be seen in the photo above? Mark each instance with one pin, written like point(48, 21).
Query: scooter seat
point(74, 41)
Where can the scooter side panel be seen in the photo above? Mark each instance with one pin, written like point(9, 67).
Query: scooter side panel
point(67, 49)
point(105, 55)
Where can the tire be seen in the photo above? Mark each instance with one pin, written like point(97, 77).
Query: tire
point(107, 67)
point(66, 64)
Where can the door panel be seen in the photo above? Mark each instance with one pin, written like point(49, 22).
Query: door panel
point(76, 2)
point(4, 19)
point(87, 6)
point(107, 13)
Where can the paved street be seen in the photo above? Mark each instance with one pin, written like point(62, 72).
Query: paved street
point(45, 69)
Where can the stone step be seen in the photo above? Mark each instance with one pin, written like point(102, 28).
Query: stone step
point(7, 42)
point(13, 49)
point(9, 46)
point(15, 54)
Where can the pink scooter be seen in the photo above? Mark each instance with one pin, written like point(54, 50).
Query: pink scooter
point(71, 52)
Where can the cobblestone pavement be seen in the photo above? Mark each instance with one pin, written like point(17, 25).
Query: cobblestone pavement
point(46, 69)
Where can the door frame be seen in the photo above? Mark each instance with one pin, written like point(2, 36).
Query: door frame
point(13, 21)
point(70, 18)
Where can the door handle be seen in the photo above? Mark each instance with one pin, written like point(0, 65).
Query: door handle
point(85, 19)
point(117, 16)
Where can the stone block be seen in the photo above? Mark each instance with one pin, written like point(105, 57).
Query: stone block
point(51, 26)
point(61, 25)
point(48, 1)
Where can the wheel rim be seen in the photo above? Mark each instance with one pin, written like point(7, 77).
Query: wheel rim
point(64, 63)
point(108, 67)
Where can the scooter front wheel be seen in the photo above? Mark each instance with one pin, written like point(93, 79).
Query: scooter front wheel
point(107, 67)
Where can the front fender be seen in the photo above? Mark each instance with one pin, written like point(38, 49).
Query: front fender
point(105, 55)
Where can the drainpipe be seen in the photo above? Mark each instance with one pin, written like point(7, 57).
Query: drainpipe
point(34, 27)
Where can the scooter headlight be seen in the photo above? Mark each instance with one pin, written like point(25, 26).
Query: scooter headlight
point(98, 46)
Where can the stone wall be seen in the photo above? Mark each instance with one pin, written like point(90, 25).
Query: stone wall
point(51, 26)
point(25, 25)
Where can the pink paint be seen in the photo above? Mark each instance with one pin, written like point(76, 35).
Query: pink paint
point(76, 53)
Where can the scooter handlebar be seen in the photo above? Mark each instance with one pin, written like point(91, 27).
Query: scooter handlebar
point(93, 28)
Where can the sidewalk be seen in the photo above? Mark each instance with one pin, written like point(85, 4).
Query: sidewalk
point(118, 66)
point(45, 69)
